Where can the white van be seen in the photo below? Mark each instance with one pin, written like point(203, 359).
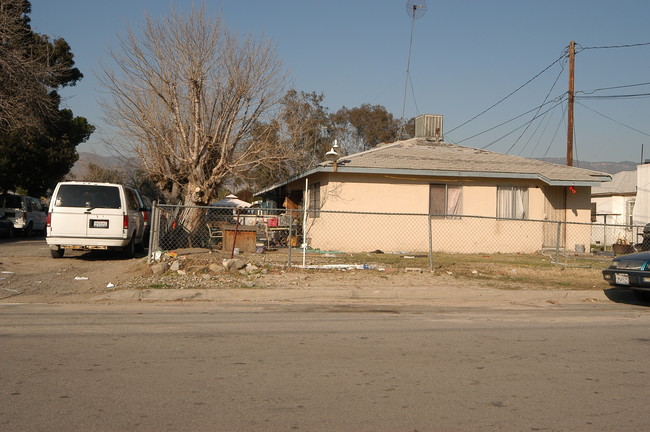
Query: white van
point(84, 215)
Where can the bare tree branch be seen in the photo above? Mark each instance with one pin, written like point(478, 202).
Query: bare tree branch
point(184, 96)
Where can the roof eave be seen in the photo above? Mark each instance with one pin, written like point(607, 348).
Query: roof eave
point(597, 180)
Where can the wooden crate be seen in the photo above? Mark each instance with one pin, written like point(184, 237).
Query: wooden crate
point(243, 238)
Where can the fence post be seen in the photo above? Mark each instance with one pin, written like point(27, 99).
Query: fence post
point(289, 238)
point(558, 238)
point(430, 243)
point(154, 231)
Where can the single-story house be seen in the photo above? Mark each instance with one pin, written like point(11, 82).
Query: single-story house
point(468, 200)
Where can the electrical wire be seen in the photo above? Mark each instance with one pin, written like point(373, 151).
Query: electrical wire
point(512, 93)
point(613, 46)
point(523, 125)
point(541, 135)
point(545, 99)
point(505, 122)
point(611, 88)
point(615, 121)
point(537, 114)
point(557, 129)
point(619, 96)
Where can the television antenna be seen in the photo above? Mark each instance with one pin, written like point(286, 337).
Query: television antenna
point(415, 9)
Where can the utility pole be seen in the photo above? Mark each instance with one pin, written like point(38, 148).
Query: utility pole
point(569, 132)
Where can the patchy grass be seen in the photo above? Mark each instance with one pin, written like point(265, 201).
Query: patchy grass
point(500, 271)
point(159, 286)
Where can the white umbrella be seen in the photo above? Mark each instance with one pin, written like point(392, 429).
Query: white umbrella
point(231, 201)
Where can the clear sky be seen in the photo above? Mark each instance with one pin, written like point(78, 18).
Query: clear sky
point(466, 56)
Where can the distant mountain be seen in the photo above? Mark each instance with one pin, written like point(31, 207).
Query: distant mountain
point(78, 170)
point(606, 167)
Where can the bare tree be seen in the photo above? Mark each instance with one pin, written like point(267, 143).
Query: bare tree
point(185, 97)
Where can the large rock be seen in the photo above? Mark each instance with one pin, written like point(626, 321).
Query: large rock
point(233, 264)
point(159, 268)
point(216, 268)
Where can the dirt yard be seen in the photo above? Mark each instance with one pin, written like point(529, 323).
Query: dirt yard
point(28, 273)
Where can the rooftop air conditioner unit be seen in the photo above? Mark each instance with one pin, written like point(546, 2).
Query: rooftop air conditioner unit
point(429, 126)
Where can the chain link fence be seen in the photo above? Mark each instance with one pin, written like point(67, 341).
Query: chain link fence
point(295, 237)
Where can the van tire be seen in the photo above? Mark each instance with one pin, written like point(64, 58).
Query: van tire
point(129, 249)
point(57, 253)
point(139, 247)
point(27, 231)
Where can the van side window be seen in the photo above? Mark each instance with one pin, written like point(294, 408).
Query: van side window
point(132, 199)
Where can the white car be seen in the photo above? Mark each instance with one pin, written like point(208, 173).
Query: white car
point(26, 213)
point(85, 215)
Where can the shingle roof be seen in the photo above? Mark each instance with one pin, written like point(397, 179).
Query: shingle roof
point(420, 154)
point(423, 157)
point(622, 183)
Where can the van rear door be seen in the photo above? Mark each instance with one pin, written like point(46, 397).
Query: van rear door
point(91, 211)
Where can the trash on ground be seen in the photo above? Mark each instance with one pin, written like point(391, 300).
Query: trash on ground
point(80, 278)
point(338, 267)
point(413, 270)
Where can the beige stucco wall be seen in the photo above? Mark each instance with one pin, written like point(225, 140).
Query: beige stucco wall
point(410, 233)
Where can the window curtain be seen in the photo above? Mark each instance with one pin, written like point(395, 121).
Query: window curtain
point(520, 205)
point(512, 202)
point(445, 200)
point(504, 202)
point(454, 203)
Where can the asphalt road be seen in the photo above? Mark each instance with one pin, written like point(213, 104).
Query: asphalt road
point(216, 367)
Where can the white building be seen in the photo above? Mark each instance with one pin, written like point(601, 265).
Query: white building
point(621, 208)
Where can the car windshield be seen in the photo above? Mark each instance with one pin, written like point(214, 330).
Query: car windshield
point(88, 196)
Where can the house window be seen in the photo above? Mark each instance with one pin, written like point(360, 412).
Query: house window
point(314, 200)
point(629, 212)
point(512, 202)
point(445, 200)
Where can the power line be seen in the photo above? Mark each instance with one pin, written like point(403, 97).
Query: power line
point(507, 121)
point(523, 125)
point(612, 88)
point(619, 96)
point(557, 129)
point(615, 121)
point(535, 116)
point(614, 46)
point(509, 94)
point(541, 135)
